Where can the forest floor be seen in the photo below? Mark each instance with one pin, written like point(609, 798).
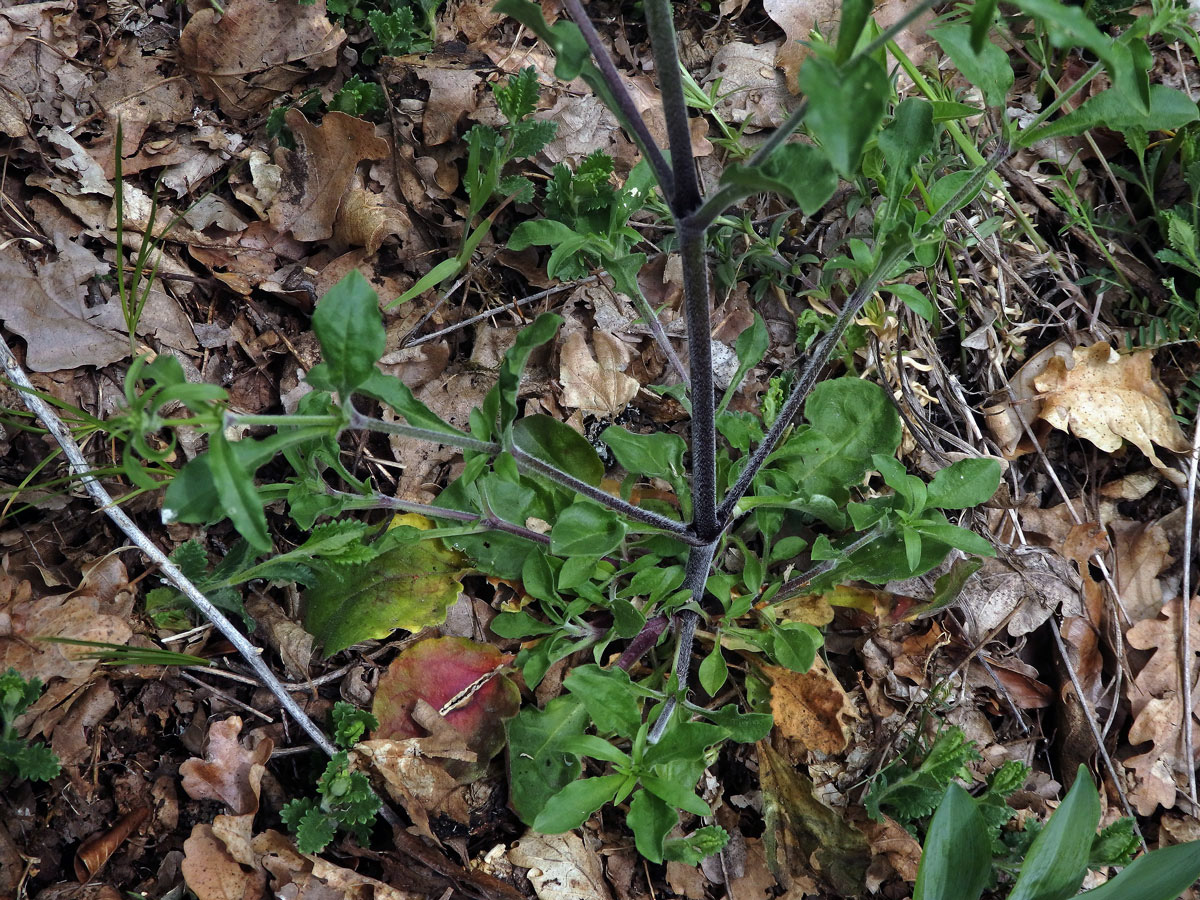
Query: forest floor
point(283, 160)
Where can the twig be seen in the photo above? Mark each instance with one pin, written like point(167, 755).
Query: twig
point(1185, 638)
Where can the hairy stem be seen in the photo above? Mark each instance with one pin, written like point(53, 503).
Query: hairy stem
point(625, 105)
point(685, 198)
point(704, 410)
point(642, 642)
point(359, 422)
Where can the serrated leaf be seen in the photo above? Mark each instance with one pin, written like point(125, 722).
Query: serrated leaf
point(518, 97)
point(529, 138)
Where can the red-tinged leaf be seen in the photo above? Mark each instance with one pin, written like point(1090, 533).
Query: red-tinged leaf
point(455, 676)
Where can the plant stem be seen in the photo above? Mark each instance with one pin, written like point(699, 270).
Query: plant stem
point(685, 198)
point(626, 108)
point(703, 425)
point(359, 422)
point(625, 508)
point(642, 642)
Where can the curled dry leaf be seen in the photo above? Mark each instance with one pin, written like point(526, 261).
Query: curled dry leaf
point(561, 866)
point(596, 385)
point(256, 50)
point(95, 851)
point(318, 173)
point(1106, 397)
point(416, 780)
point(229, 772)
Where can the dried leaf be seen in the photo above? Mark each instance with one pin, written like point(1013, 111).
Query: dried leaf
point(458, 678)
point(229, 772)
point(560, 866)
point(256, 50)
point(1106, 397)
point(213, 874)
point(317, 174)
point(364, 221)
point(95, 851)
point(810, 707)
point(598, 386)
point(417, 781)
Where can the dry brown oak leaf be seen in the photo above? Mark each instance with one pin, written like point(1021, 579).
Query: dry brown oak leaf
point(1106, 397)
point(256, 50)
point(229, 772)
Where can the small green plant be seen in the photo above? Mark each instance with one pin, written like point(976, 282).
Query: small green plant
point(957, 861)
point(33, 761)
point(347, 801)
point(358, 98)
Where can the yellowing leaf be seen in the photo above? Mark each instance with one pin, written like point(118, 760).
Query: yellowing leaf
point(1106, 397)
point(411, 586)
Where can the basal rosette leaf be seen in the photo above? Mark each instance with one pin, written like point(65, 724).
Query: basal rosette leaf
point(410, 586)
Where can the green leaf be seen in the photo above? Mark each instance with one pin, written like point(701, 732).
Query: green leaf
point(351, 724)
point(1057, 861)
point(655, 455)
point(697, 846)
point(586, 528)
point(349, 326)
point(559, 444)
point(795, 647)
point(983, 13)
point(1170, 109)
point(684, 741)
point(956, 861)
point(987, 67)
point(713, 672)
point(677, 795)
point(912, 298)
point(861, 86)
point(395, 393)
point(608, 697)
point(849, 421)
point(571, 807)
point(529, 339)
point(800, 171)
point(410, 586)
point(946, 189)
point(235, 488)
point(743, 728)
point(967, 483)
point(907, 138)
point(1161, 874)
point(961, 538)
point(855, 14)
point(651, 820)
point(518, 97)
point(537, 769)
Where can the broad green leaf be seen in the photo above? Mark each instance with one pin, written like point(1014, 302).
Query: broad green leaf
point(833, 91)
point(987, 67)
point(967, 483)
point(684, 741)
point(795, 647)
point(594, 747)
point(234, 485)
point(983, 13)
point(950, 110)
point(651, 820)
point(571, 807)
point(956, 860)
point(349, 326)
point(586, 528)
point(540, 233)
point(460, 679)
point(961, 538)
point(559, 444)
point(1161, 874)
point(849, 421)
point(743, 728)
point(608, 697)
point(1170, 109)
point(799, 171)
point(1056, 863)
point(536, 768)
point(907, 138)
point(655, 455)
point(946, 190)
point(410, 586)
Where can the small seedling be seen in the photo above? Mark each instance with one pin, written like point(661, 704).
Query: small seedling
point(347, 801)
point(33, 761)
